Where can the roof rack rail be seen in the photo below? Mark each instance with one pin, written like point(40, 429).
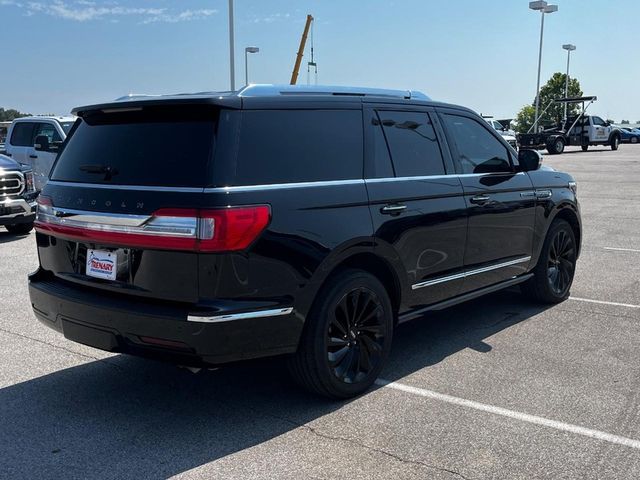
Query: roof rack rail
point(272, 90)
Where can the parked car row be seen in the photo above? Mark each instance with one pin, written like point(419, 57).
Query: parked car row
point(629, 135)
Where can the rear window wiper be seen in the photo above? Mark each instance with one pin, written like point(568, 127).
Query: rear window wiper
point(107, 170)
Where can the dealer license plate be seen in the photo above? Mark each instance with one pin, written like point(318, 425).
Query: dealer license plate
point(102, 264)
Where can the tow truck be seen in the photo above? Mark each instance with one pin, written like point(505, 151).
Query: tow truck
point(583, 130)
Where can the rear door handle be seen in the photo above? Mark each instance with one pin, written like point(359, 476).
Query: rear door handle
point(480, 199)
point(393, 209)
point(33, 156)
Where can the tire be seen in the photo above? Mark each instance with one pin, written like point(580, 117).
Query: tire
point(20, 228)
point(553, 274)
point(634, 140)
point(556, 146)
point(615, 142)
point(585, 147)
point(334, 359)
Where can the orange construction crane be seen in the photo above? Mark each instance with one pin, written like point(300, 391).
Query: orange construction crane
point(303, 41)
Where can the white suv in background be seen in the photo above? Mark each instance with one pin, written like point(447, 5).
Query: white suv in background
point(21, 143)
point(508, 135)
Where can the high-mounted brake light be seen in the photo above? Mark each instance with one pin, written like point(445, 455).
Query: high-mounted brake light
point(198, 230)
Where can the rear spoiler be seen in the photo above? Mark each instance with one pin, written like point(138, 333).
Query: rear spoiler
point(137, 102)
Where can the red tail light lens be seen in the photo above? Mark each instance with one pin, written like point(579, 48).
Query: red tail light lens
point(205, 230)
point(231, 229)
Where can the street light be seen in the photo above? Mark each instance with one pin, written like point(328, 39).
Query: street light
point(569, 48)
point(248, 50)
point(232, 67)
point(542, 7)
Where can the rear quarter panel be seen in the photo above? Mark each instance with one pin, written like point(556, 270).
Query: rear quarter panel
point(547, 209)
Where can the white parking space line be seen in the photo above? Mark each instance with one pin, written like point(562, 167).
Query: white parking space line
point(602, 302)
point(616, 249)
point(523, 417)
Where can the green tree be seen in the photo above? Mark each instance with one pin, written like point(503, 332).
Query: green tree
point(10, 114)
point(624, 122)
point(552, 90)
point(525, 118)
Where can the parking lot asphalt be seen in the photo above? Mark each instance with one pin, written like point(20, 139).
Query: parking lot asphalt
point(499, 388)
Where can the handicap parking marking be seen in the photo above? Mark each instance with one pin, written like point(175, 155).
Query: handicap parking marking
point(603, 302)
point(504, 412)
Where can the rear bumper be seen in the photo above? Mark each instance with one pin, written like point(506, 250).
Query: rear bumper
point(161, 330)
point(17, 210)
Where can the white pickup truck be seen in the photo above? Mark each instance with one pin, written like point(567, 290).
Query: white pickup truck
point(34, 141)
point(583, 130)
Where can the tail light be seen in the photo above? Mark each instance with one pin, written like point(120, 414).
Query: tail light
point(199, 230)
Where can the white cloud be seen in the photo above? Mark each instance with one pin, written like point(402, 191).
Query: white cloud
point(88, 10)
point(183, 16)
point(272, 18)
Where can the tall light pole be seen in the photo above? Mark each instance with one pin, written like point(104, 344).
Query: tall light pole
point(542, 7)
point(248, 50)
point(569, 48)
point(232, 68)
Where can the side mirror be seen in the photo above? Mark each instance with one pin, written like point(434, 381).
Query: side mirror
point(42, 143)
point(529, 160)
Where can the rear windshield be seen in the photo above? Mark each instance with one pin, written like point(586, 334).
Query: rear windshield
point(156, 146)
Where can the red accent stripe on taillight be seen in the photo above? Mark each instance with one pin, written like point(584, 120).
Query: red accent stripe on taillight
point(218, 230)
point(117, 238)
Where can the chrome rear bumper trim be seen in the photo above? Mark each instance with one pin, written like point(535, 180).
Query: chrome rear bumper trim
point(240, 316)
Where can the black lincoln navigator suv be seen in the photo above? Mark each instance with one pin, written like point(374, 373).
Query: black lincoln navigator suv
point(305, 222)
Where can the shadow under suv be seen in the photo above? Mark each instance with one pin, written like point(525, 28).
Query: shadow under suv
point(307, 222)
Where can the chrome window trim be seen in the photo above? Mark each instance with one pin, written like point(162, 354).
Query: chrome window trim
point(240, 316)
point(439, 177)
point(469, 273)
point(402, 179)
point(146, 188)
point(278, 186)
point(274, 186)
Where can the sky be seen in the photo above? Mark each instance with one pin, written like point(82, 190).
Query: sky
point(57, 54)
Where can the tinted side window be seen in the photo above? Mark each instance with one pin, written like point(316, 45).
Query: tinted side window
point(286, 146)
point(413, 143)
point(381, 159)
point(479, 151)
point(597, 121)
point(22, 135)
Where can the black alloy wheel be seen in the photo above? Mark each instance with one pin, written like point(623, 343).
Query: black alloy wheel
point(553, 274)
point(561, 263)
point(347, 336)
point(355, 337)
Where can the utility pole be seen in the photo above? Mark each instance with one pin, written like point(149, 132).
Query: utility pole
point(569, 48)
